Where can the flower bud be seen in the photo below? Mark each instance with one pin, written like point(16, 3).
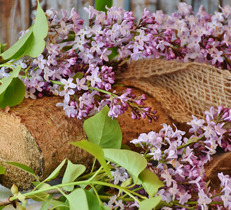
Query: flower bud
point(14, 190)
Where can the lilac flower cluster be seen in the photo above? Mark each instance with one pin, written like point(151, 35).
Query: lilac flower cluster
point(180, 161)
point(75, 64)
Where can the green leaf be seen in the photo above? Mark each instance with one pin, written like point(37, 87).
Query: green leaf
point(132, 161)
point(150, 182)
point(162, 204)
point(94, 150)
point(104, 207)
point(103, 130)
point(114, 53)
point(93, 202)
point(6, 81)
point(40, 31)
point(22, 198)
point(2, 169)
point(39, 196)
point(23, 167)
point(55, 173)
point(77, 200)
point(78, 75)
point(65, 205)
point(40, 185)
point(100, 4)
point(14, 93)
point(32, 43)
point(18, 49)
point(72, 172)
point(126, 182)
point(46, 204)
point(58, 204)
point(12, 89)
point(150, 203)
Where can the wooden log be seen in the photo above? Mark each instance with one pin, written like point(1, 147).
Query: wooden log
point(36, 133)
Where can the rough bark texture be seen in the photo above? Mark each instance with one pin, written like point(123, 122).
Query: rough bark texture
point(37, 133)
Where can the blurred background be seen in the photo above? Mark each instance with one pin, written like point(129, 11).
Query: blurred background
point(15, 15)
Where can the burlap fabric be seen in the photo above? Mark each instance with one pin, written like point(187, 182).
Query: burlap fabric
point(183, 89)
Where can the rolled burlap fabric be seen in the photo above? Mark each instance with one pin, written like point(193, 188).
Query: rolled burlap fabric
point(183, 89)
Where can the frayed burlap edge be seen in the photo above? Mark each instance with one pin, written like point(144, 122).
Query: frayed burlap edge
point(183, 89)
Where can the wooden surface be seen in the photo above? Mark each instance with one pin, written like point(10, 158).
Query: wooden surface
point(15, 15)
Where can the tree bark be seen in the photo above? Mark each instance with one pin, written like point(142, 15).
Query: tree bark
point(37, 134)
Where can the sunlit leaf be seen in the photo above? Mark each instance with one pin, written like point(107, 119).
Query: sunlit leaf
point(150, 203)
point(94, 150)
point(55, 173)
point(150, 182)
point(19, 48)
point(32, 43)
point(103, 130)
point(77, 200)
point(72, 172)
point(40, 30)
point(132, 161)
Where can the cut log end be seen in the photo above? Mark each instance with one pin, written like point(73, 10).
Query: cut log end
point(37, 134)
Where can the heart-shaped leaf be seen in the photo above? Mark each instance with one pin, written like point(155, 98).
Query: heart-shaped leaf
point(103, 130)
point(72, 172)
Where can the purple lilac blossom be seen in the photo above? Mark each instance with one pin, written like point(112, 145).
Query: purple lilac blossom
point(75, 51)
point(180, 162)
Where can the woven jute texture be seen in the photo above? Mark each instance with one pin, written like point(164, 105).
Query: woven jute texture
point(183, 89)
